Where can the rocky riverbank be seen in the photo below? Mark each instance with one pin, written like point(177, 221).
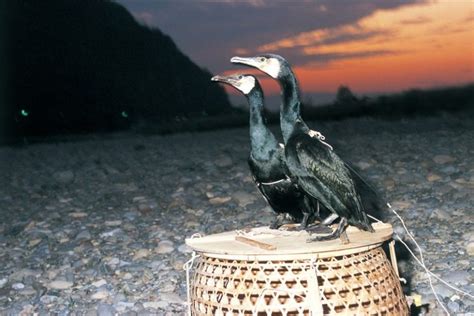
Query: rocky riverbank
point(99, 225)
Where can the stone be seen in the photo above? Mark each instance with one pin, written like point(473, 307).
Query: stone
point(141, 253)
point(83, 235)
point(453, 306)
point(78, 214)
point(99, 283)
point(243, 198)
point(48, 299)
point(64, 177)
point(113, 261)
point(105, 310)
point(3, 282)
point(165, 246)
point(155, 305)
point(457, 277)
point(363, 165)
point(443, 159)
point(34, 242)
point(113, 223)
point(111, 233)
point(60, 285)
point(432, 177)
point(224, 161)
point(185, 249)
point(470, 249)
point(219, 200)
point(171, 298)
point(100, 295)
point(18, 286)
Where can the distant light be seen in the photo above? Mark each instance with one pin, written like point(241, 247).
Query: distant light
point(124, 114)
point(24, 112)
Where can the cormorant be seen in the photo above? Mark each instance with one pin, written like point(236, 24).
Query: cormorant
point(266, 159)
point(311, 162)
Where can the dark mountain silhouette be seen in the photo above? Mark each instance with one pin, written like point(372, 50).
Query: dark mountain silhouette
point(412, 103)
point(87, 65)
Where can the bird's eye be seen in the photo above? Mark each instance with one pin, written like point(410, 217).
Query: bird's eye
point(240, 77)
point(262, 59)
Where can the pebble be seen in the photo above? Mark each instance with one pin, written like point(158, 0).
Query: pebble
point(470, 249)
point(64, 176)
point(112, 241)
point(141, 253)
point(224, 161)
point(156, 305)
point(113, 223)
point(100, 295)
point(60, 285)
point(443, 159)
point(219, 200)
point(111, 233)
point(105, 310)
point(165, 246)
point(18, 286)
point(78, 214)
point(243, 198)
point(433, 177)
point(83, 235)
point(99, 283)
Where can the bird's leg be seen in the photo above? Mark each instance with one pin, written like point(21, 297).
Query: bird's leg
point(278, 221)
point(322, 228)
point(304, 221)
point(336, 234)
point(328, 220)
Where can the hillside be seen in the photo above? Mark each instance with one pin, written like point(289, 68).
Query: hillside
point(82, 66)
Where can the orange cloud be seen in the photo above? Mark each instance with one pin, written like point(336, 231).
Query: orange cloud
point(417, 46)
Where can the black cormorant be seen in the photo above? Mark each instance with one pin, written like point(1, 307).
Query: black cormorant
point(311, 162)
point(266, 159)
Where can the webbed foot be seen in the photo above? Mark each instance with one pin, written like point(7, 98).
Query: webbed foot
point(336, 234)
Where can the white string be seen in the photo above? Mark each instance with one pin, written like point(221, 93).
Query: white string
point(274, 182)
point(188, 266)
point(319, 136)
point(422, 262)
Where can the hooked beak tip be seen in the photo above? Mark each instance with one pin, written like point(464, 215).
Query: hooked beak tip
point(236, 59)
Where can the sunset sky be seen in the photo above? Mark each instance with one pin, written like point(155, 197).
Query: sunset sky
point(371, 46)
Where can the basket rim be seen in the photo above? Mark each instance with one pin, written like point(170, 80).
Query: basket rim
point(224, 245)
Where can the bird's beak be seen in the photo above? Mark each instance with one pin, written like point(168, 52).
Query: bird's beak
point(223, 79)
point(249, 61)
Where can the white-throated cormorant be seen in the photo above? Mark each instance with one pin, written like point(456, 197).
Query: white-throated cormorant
point(266, 159)
point(312, 163)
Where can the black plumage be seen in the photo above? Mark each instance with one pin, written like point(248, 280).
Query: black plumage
point(266, 159)
point(311, 163)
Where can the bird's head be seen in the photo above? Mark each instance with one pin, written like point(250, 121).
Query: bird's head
point(242, 82)
point(271, 64)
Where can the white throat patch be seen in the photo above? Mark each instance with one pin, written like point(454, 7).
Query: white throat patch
point(272, 67)
point(246, 84)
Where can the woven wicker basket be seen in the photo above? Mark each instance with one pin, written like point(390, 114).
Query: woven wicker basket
point(268, 274)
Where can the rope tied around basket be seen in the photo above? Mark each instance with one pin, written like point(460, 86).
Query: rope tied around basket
point(421, 261)
point(187, 267)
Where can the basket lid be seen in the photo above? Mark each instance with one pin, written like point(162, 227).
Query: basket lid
point(263, 242)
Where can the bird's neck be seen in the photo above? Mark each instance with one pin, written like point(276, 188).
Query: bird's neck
point(262, 140)
point(290, 110)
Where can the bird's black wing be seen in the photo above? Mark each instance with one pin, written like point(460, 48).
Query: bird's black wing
point(323, 175)
point(371, 198)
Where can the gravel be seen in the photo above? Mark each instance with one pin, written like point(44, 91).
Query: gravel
point(98, 226)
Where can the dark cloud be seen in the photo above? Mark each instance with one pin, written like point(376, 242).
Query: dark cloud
point(210, 32)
